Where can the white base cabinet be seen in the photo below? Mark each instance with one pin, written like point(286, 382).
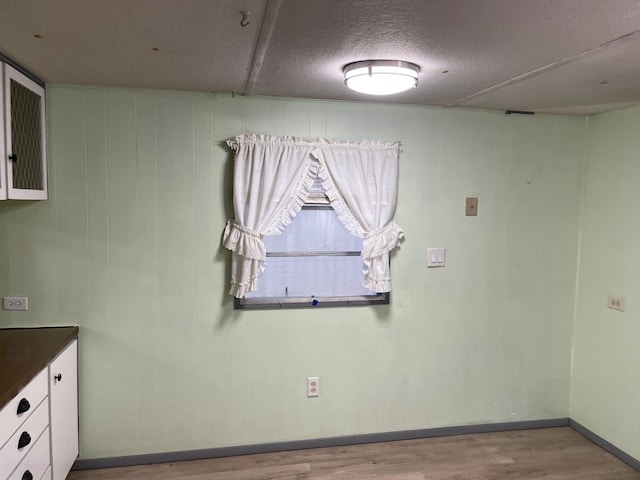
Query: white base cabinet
point(39, 426)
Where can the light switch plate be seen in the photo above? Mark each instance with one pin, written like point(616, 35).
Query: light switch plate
point(436, 257)
point(15, 303)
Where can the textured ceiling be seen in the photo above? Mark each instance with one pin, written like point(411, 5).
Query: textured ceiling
point(567, 56)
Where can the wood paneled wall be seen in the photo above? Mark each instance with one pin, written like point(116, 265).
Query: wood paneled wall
point(128, 247)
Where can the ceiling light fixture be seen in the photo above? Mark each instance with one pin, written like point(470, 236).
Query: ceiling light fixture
point(381, 77)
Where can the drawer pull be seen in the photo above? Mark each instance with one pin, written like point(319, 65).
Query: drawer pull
point(27, 475)
point(58, 377)
point(23, 406)
point(25, 439)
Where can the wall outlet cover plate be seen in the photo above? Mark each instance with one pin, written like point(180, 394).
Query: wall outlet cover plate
point(617, 303)
point(15, 303)
point(313, 387)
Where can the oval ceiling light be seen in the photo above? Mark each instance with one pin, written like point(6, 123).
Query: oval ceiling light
point(381, 77)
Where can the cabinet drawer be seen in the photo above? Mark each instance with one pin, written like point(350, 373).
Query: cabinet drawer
point(27, 435)
point(36, 463)
point(26, 401)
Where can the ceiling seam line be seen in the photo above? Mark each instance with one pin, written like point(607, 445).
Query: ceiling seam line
point(264, 38)
point(543, 69)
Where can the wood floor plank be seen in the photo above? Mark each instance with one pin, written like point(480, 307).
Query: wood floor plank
point(552, 454)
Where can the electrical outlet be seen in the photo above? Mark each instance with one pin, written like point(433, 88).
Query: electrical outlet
point(617, 303)
point(313, 387)
point(15, 303)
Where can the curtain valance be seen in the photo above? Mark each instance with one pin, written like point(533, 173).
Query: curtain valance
point(272, 180)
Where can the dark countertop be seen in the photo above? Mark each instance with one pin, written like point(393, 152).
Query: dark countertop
point(24, 352)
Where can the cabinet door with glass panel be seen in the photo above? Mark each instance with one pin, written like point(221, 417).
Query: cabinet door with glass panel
point(3, 152)
point(25, 176)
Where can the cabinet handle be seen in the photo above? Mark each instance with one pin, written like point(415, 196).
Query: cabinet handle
point(23, 406)
point(25, 439)
point(58, 377)
point(13, 157)
point(27, 475)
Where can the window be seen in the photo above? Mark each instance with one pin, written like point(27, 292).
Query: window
point(315, 262)
point(273, 179)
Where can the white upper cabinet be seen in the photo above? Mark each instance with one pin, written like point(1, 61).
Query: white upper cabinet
point(25, 175)
point(3, 152)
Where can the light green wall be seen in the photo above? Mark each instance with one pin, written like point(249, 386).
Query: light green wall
point(606, 374)
point(128, 247)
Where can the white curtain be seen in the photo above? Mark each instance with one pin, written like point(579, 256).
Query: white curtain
point(361, 181)
point(272, 179)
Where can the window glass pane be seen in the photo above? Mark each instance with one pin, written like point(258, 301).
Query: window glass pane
point(314, 229)
point(311, 276)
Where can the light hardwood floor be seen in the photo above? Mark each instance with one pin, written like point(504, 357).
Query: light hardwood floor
point(550, 454)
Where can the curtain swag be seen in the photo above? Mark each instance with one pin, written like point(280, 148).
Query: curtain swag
point(272, 180)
